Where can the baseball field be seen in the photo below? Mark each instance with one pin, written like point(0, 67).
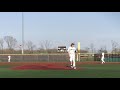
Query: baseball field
point(59, 70)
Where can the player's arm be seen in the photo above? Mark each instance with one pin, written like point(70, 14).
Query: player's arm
point(75, 50)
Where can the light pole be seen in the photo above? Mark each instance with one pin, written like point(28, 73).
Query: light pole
point(22, 33)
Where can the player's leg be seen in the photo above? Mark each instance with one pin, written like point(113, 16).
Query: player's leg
point(74, 64)
point(102, 59)
point(71, 60)
point(8, 60)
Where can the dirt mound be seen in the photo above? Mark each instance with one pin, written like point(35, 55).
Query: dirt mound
point(42, 67)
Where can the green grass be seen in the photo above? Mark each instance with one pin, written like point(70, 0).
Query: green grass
point(87, 71)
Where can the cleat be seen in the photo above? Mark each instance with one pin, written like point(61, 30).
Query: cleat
point(71, 66)
point(74, 67)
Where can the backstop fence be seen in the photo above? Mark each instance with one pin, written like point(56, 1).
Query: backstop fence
point(59, 57)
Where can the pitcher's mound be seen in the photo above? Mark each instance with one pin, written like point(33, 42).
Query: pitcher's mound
point(43, 67)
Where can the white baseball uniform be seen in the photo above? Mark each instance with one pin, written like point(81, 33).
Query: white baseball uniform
point(71, 51)
point(102, 58)
point(9, 57)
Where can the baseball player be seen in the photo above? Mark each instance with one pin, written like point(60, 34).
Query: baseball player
point(71, 52)
point(102, 58)
point(9, 57)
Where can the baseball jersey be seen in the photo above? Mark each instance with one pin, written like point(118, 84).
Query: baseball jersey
point(71, 50)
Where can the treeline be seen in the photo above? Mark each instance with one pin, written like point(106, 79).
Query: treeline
point(9, 45)
point(13, 46)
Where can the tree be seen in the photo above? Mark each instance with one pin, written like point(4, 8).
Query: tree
point(41, 46)
point(92, 47)
point(30, 46)
point(87, 49)
point(1, 44)
point(102, 49)
point(11, 42)
point(114, 46)
point(45, 45)
point(94, 50)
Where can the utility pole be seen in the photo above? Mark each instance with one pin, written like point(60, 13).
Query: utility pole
point(22, 33)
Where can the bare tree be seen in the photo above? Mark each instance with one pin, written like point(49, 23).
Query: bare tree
point(11, 42)
point(92, 47)
point(87, 49)
point(30, 46)
point(102, 49)
point(45, 45)
point(41, 46)
point(119, 49)
point(1, 44)
point(114, 46)
point(94, 50)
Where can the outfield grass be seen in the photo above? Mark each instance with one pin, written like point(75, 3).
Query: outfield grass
point(87, 71)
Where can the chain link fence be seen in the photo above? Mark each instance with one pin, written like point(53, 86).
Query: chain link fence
point(43, 57)
point(109, 57)
point(60, 57)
